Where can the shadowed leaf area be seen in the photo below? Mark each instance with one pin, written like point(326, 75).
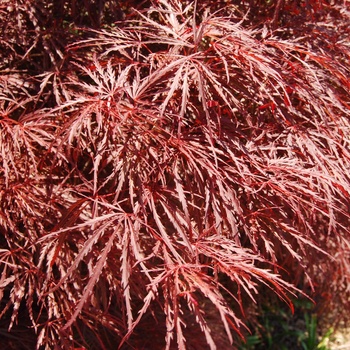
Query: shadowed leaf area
point(166, 166)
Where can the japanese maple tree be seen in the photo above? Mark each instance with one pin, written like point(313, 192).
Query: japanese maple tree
point(164, 163)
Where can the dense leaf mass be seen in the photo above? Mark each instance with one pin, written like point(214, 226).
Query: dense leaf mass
point(163, 163)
